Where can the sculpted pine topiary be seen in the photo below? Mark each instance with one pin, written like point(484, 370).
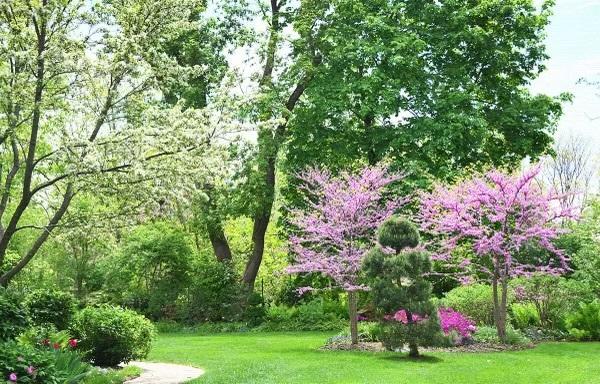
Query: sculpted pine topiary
point(400, 292)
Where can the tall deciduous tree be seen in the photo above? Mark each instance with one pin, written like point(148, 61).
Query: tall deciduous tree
point(338, 227)
point(80, 107)
point(499, 216)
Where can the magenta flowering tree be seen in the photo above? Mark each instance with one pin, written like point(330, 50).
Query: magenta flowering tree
point(338, 226)
point(498, 217)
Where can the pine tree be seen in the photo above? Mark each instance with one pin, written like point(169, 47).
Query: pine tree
point(401, 294)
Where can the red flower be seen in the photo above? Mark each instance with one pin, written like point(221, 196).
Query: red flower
point(45, 342)
point(73, 343)
point(56, 346)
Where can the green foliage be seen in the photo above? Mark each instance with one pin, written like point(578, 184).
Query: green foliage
point(553, 297)
point(398, 233)
point(50, 307)
point(584, 324)
point(368, 331)
point(524, 316)
point(315, 315)
point(111, 335)
point(486, 334)
point(213, 293)
point(151, 270)
point(582, 244)
point(474, 301)
point(13, 315)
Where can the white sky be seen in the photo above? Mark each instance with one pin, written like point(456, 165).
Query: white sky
point(573, 43)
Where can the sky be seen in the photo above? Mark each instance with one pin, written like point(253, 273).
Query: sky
point(573, 44)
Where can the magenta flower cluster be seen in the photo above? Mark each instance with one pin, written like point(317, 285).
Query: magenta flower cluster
point(454, 321)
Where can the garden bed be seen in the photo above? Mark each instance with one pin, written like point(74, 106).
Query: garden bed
point(470, 348)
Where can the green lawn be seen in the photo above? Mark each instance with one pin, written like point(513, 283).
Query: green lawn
point(294, 358)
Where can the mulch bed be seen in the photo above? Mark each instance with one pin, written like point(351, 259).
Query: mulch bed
point(471, 348)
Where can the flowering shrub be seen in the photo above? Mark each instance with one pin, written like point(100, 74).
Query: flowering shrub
point(26, 364)
point(453, 321)
point(42, 355)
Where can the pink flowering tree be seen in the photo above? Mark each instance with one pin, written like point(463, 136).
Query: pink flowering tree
point(338, 226)
point(498, 217)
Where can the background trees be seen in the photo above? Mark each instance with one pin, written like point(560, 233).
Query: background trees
point(79, 110)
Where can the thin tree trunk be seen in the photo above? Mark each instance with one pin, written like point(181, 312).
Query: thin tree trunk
point(499, 318)
point(353, 314)
point(413, 347)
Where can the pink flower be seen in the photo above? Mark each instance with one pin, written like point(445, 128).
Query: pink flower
point(451, 320)
point(30, 370)
point(73, 343)
point(12, 377)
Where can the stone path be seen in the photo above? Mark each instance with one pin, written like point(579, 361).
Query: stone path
point(161, 373)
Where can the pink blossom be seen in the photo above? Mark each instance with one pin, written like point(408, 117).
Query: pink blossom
point(497, 215)
point(338, 226)
point(451, 320)
point(30, 370)
point(12, 377)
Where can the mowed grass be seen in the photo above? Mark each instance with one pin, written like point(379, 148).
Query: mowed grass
point(294, 358)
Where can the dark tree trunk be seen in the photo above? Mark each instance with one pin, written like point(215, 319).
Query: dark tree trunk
point(259, 230)
point(353, 314)
point(220, 244)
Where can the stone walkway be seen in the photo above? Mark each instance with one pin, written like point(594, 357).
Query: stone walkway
point(160, 373)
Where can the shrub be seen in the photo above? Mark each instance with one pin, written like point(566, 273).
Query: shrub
point(456, 325)
point(368, 331)
point(553, 297)
point(47, 306)
point(112, 335)
point(487, 334)
point(584, 324)
point(213, 294)
point(524, 315)
point(254, 311)
point(13, 316)
point(316, 315)
point(474, 301)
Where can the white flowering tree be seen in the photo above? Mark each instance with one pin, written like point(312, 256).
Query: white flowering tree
point(81, 110)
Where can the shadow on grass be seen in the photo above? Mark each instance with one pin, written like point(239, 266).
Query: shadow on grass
point(407, 359)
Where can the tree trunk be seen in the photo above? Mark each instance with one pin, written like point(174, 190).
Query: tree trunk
point(353, 314)
point(413, 350)
point(261, 222)
point(219, 243)
point(499, 308)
